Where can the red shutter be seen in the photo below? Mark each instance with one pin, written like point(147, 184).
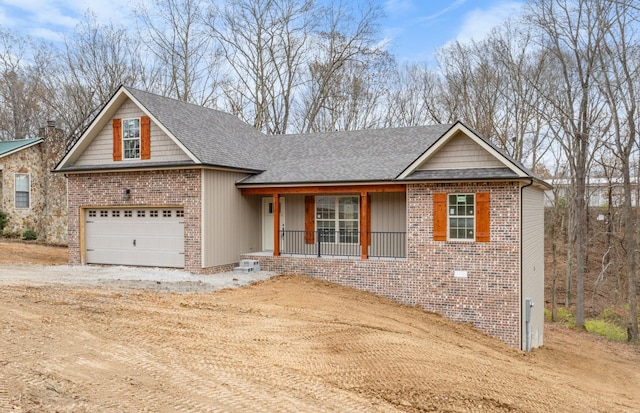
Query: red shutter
point(482, 217)
point(439, 217)
point(117, 139)
point(145, 137)
point(309, 219)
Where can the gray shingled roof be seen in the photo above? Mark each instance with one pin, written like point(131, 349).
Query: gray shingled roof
point(220, 139)
point(214, 137)
point(462, 174)
point(346, 156)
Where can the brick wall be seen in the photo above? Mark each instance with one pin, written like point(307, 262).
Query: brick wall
point(152, 188)
point(489, 296)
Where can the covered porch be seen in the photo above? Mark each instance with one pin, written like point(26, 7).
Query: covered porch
point(355, 221)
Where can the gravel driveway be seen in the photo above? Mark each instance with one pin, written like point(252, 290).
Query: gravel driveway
point(153, 279)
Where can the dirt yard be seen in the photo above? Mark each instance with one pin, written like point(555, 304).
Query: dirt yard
point(288, 344)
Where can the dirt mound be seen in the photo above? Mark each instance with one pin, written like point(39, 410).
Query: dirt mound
point(291, 343)
point(288, 344)
point(18, 252)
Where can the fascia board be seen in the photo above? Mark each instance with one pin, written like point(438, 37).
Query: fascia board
point(106, 114)
point(444, 139)
point(163, 128)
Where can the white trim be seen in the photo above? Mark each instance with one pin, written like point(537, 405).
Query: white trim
point(449, 216)
point(15, 175)
point(162, 127)
point(122, 139)
point(336, 219)
point(444, 139)
point(107, 113)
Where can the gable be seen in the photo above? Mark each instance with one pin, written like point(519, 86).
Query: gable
point(460, 152)
point(100, 150)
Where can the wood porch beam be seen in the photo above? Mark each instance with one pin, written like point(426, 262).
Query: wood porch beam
point(276, 224)
point(317, 189)
point(365, 223)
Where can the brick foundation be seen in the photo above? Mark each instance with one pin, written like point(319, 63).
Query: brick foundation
point(147, 189)
point(489, 296)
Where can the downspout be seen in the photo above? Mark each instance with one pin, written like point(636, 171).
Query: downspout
point(521, 262)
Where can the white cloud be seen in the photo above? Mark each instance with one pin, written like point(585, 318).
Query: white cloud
point(394, 7)
point(478, 23)
point(50, 19)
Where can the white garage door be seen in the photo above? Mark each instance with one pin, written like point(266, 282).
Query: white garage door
point(135, 236)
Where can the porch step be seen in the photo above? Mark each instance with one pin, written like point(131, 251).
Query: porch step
point(248, 266)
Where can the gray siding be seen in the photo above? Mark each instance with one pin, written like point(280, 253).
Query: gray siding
point(100, 151)
point(461, 152)
point(533, 262)
point(388, 212)
point(231, 222)
point(294, 212)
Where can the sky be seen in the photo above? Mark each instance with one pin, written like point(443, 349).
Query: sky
point(414, 29)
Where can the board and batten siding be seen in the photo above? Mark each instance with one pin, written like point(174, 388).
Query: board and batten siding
point(231, 222)
point(461, 152)
point(533, 262)
point(100, 151)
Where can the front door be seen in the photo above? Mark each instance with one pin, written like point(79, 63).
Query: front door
point(267, 224)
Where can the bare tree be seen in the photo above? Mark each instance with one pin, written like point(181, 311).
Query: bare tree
point(572, 31)
point(264, 43)
point(97, 59)
point(413, 96)
point(345, 36)
point(620, 69)
point(21, 88)
point(186, 60)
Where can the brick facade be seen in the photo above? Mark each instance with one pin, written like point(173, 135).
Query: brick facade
point(489, 297)
point(177, 188)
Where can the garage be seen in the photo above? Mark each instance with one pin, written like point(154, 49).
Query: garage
point(151, 237)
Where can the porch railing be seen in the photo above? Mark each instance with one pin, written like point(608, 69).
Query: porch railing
point(343, 243)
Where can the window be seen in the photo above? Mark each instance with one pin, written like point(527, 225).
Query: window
point(462, 217)
point(153, 214)
point(131, 138)
point(23, 189)
point(337, 219)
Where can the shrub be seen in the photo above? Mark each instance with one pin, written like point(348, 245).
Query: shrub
point(606, 329)
point(566, 317)
point(3, 220)
point(30, 235)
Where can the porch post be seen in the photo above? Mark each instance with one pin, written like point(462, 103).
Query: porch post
point(365, 224)
point(276, 224)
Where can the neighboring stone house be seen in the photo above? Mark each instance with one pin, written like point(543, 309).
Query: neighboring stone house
point(30, 194)
point(434, 216)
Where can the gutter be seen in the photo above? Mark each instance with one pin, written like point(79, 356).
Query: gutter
point(522, 257)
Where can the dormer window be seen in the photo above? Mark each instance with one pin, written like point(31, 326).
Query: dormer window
point(131, 138)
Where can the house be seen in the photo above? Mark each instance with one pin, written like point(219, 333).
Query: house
point(32, 197)
point(433, 216)
point(600, 192)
